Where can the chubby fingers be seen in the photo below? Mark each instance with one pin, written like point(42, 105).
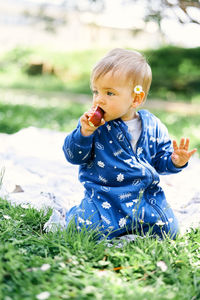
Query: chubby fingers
point(84, 121)
point(186, 147)
point(84, 118)
point(184, 144)
point(175, 146)
point(190, 153)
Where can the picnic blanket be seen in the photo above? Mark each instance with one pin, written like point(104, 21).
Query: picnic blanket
point(37, 174)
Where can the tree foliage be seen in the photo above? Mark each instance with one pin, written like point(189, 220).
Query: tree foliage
point(154, 10)
point(181, 9)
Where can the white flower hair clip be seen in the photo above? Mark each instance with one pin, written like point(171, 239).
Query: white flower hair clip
point(138, 89)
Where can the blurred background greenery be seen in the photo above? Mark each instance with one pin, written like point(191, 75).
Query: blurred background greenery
point(176, 71)
point(47, 86)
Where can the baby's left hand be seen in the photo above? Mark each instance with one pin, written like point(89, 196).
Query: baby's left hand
point(181, 155)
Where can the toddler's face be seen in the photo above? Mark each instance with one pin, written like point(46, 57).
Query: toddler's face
point(115, 96)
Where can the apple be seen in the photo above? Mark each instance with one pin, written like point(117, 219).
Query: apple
point(95, 117)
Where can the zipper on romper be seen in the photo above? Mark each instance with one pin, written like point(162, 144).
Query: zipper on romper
point(159, 211)
point(135, 152)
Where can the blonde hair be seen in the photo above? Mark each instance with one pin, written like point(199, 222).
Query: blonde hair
point(128, 63)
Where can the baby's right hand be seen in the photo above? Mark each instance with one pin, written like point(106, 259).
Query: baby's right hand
point(86, 128)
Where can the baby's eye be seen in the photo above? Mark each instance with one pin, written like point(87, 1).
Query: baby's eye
point(110, 94)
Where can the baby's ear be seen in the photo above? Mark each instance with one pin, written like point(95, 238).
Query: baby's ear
point(138, 98)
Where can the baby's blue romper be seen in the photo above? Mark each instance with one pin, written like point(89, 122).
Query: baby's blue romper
point(122, 192)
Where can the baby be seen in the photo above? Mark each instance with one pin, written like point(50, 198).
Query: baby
point(122, 156)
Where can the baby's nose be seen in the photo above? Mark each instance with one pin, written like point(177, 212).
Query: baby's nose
point(100, 99)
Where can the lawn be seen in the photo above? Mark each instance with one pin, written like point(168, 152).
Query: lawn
point(60, 111)
point(71, 265)
point(176, 71)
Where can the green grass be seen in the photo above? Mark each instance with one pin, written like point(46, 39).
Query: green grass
point(72, 265)
point(61, 112)
point(39, 111)
point(79, 268)
point(176, 71)
point(72, 69)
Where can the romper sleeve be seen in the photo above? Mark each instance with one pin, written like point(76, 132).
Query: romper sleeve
point(162, 161)
point(78, 148)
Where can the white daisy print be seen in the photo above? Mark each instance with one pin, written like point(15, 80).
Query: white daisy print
point(88, 222)
point(120, 177)
point(80, 220)
point(129, 204)
point(101, 164)
point(122, 222)
point(106, 205)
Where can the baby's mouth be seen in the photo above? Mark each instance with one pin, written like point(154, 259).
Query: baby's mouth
point(103, 111)
point(95, 116)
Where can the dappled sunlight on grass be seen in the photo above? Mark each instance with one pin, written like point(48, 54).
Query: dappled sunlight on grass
point(72, 265)
point(61, 111)
point(173, 79)
point(14, 117)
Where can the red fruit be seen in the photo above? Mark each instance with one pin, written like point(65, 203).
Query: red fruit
point(95, 116)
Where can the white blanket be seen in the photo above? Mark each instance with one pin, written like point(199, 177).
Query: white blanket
point(33, 160)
